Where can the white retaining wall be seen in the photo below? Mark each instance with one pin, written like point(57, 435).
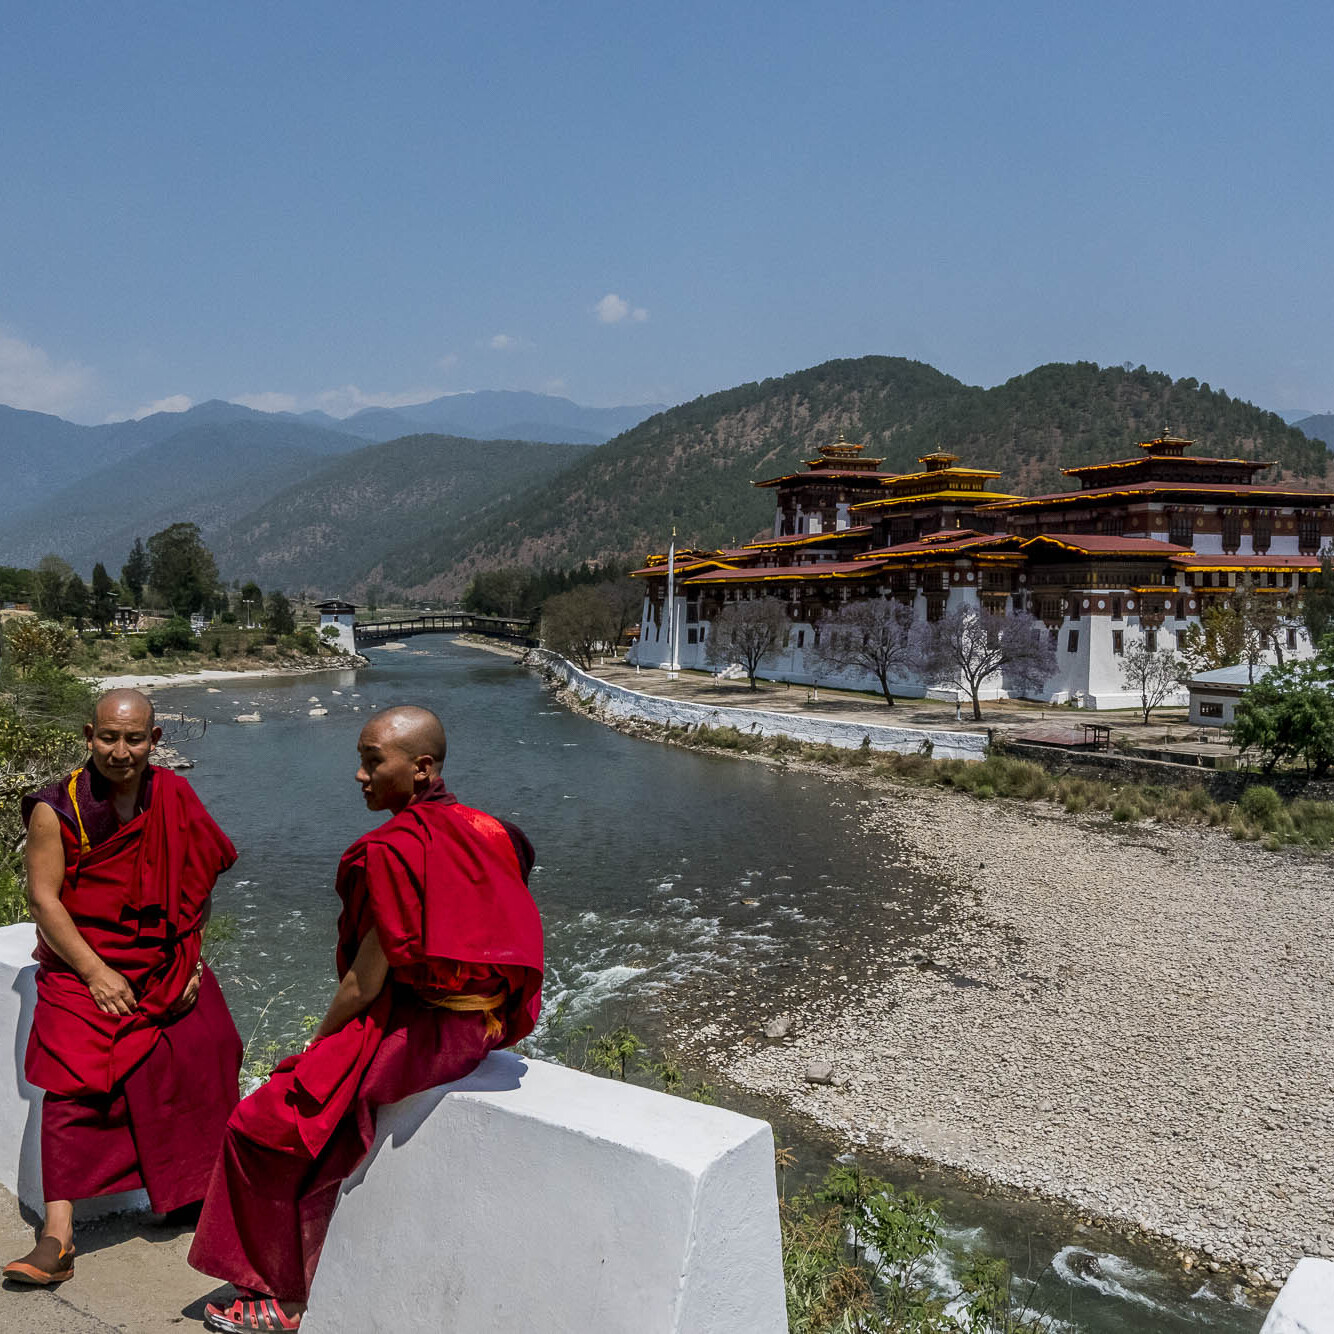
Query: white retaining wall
point(21, 1102)
point(524, 1197)
point(622, 703)
point(1306, 1303)
point(532, 1197)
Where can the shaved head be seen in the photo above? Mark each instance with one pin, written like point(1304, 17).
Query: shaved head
point(124, 703)
point(407, 728)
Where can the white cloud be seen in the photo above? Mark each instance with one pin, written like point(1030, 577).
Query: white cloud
point(555, 385)
point(30, 379)
point(614, 309)
point(340, 402)
point(172, 403)
point(448, 361)
point(501, 342)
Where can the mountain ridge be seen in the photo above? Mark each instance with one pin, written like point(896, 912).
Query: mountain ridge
point(690, 467)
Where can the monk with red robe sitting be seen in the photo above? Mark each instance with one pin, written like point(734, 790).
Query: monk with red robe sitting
point(439, 960)
point(131, 1038)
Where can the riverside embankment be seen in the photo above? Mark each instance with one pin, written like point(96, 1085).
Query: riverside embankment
point(1134, 1019)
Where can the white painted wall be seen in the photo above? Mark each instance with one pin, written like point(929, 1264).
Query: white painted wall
point(622, 703)
point(532, 1197)
point(20, 1102)
point(346, 640)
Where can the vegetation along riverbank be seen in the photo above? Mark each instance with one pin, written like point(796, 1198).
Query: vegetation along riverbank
point(1124, 1007)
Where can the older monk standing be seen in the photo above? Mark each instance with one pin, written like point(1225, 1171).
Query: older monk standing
point(439, 961)
point(131, 1038)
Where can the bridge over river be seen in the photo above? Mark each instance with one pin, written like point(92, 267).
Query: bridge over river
point(515, 629)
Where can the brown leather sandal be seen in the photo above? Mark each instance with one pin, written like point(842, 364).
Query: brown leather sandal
point(47, 1262)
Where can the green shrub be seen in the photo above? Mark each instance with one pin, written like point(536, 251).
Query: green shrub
point(1125, 811)
point(1312, 822)
point(1263, 806)
point(174, 637)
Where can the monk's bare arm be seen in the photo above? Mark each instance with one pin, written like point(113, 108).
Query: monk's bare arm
point(361, 984)
point(45, 858)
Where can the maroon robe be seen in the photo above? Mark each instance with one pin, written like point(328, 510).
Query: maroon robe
point(136, 1100)
point(445, 887)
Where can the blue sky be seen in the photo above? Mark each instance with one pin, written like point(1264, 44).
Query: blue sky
point(301, 205)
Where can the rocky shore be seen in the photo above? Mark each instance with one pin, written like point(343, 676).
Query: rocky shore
point(1136, 1021)
point(1133, 1020)
point(289, 666)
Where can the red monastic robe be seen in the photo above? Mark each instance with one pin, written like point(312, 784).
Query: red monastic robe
point(445, 888)
point(142, 1099)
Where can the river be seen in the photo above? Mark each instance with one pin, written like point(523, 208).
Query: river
point(663, 876)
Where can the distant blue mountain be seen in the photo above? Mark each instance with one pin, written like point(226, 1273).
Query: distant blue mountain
point(1318, 426)
point(41, 454)
point(490, 414)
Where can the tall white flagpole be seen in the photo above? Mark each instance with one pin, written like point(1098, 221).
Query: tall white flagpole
point(672, 664)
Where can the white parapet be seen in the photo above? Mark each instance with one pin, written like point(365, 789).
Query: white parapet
point(532, 1197)
point(1306, 1303)
point(20, 1102)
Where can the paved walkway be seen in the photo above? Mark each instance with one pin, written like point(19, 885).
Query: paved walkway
point(1004, 716)
point(130, 1277)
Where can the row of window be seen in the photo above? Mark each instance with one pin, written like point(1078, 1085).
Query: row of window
point(1151, 640)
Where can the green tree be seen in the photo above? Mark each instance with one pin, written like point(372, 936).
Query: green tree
point(1288, 716)
point(16, 584)
point(1318, 604)
point(134, 573)
point(75, 601)
point(102, 603)
point(52, 575)
point(251, 601)
point(510, 591)
point(182, 570)
point(747, 632)
point(1218, 639)
point(278, 614)
point(30, 643)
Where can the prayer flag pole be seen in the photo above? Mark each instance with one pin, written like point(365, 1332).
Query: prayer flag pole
point(672, 664)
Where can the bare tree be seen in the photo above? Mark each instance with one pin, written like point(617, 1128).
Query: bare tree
point(968, 646)
point(747, 632)
point(625, 600)
point(876, 635)
point(1153, 676)
point(577, 624)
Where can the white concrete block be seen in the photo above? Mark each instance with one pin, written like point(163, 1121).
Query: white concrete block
point(532, 1197)
point(1306, 1303)
point(20, 1102)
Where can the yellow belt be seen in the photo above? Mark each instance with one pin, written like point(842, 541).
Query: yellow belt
point(470, 1004)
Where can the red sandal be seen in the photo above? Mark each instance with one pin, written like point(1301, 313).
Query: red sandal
point(248, 1314)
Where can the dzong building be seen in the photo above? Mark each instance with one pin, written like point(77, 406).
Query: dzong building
point(1133, 554)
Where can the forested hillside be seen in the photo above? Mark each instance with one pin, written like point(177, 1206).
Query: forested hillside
point(323, 533)
point(691, 466)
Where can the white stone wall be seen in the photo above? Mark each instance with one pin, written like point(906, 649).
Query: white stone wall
point(530, 1197)
point(619, 702)
point(20, 1102)
point(1306, 1303)
point(1225, 699)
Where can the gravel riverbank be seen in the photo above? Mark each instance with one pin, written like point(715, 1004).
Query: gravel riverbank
point(1135, 1020)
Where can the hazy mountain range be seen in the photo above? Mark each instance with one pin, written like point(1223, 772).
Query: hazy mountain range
point(88, 491)
point(304, 502)
point(1319, 426)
